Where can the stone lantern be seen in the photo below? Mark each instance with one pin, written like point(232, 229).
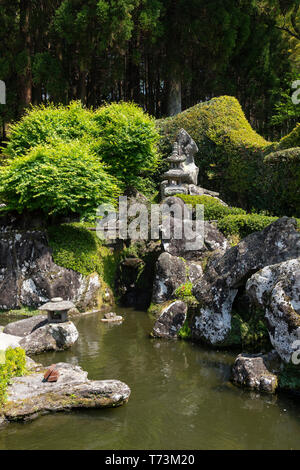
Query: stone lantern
point(57, 310)
point(175, 174)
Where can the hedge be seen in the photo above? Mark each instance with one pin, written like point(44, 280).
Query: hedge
point(213, 209)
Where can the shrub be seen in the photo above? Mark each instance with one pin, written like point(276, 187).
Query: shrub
point(213, 209)
point(62, 178)
point(291, 140)
point(283, 181)
point(127, 139)
point(75, 247)
point(43, 124)
point(14, 366)
point(231, 153)
point(243, 225)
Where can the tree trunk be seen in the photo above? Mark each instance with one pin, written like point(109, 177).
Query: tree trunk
point(26, 77)
point(174, 96)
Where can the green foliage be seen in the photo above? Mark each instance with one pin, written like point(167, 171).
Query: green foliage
point(14, 366)
point(184, 292)
point(291, 140)
point(127, 139)
point(243, 225)
point(75, 247)
point(24, 311)
point(283, 179)
point(61, 178)
point(213, 209)
point(230, 153)
point(185, 331)
point(45, 124)
point(249, 332)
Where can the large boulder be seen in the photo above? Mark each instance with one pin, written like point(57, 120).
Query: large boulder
point(171, 272)
point(30, 396)
point(257, 371)
point(27, 326)
point(29, 276)
point(8, 341)
point(170, 321)
point(50, 337)
point(276, 289)
point(217, 289)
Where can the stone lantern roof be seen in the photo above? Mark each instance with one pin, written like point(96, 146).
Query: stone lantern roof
point(57, 304)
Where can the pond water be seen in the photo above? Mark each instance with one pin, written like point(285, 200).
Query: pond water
point(181, 398)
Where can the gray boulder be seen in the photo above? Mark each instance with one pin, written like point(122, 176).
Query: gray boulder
point(171, 272)
point(170, 321)
point(217, 289)
point(276, 288)
point(257, 371)
point(25, 327)
point(30, 396)
point(50, 337)
point(28, 275)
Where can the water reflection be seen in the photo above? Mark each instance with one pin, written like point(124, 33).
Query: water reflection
point(181, 398)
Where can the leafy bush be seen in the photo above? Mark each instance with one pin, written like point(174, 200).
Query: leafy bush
point(291, 140)
point(14, 366)
point(61, 178)
point(44, 124)
point(213, 209)
point(243, 225)
point(75, 247)
point(127, 139)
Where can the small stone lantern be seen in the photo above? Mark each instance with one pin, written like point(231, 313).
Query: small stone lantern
point(57, 309)
point(175, 174)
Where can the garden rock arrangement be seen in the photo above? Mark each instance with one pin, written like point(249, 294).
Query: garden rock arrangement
point(218, 288)
point(31, 396)
point(29, 276)
point(37, 335)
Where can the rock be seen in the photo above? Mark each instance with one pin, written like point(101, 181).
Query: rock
point(30, 397)
point(276, 288)
point(217, 289)
point(170, 321)
point(112, 317)
point(50, 337)
point(8, 341)
point(29, 277)
point(257, 371)
point(171, 272)
point(27, 326)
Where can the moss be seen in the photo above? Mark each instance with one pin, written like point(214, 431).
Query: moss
point(185, 331)
point(249, 331)
point(184, 292)
point(76, 247)
point(156, 309)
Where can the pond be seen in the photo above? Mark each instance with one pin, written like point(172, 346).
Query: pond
point(181, 398)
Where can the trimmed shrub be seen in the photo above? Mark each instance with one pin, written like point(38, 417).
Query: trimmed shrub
point(283, 181)
point(14, 366)
point(44, 124)
point(213, 209)
point(243, 225)
point(127, 142)
point(231, 153)
point(62, 178)
point(291, 140)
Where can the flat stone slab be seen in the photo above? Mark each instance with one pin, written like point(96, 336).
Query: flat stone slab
point(27, 326)
point(8, 341)
point(30, 396)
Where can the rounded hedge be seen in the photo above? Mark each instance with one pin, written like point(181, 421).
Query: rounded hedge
point(61, 178)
